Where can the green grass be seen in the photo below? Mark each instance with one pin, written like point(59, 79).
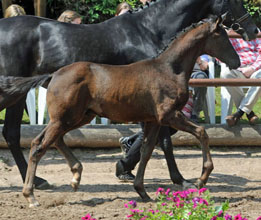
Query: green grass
point(257, 110)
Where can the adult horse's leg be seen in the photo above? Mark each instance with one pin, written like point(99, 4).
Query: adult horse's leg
point(164, 141)
point(180, 122)
point(11, 133)
point(150, 138)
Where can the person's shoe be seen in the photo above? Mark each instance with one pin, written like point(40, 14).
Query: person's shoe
point(125, 145)
point(126, 177)
point(232, 120)
point(122, 174)
point(252, 118)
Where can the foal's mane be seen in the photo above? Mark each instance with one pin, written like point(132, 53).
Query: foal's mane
point(184, 31)
point(141, 7)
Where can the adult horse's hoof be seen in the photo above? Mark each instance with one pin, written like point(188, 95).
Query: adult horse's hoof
point(188, 185)
point(147, 199)
point(41, 184)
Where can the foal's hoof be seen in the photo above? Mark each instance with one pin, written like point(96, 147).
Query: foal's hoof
point(34, 204)
point(75, 184)
point(200, 183)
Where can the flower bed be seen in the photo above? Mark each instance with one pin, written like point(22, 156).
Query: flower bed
point(191, 204)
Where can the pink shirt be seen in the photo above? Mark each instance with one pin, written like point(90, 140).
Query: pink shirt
point(248, 51)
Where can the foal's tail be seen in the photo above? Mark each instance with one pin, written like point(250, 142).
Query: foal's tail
point(12, 89)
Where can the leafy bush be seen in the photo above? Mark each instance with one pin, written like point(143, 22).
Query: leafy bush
point(253, 7)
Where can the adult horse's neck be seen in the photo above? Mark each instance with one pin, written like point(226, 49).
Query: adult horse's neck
point(165, 18)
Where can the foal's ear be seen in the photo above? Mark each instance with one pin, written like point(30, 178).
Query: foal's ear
point(218, 22)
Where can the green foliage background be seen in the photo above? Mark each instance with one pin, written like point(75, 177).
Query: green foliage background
point(94, 11)
point(253, 7)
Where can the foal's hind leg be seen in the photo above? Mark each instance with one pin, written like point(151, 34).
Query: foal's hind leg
point(38, 148)
point(150, 138)
point(11, 133)
point(180, 122)
point(73, 162)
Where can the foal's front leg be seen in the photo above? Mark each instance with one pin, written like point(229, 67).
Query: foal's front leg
point(180, 122)
point(150, 138)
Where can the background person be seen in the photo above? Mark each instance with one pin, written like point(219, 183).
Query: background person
point(250, 57)
point(14, 10)
point(69, 16)
point(122, 8)
point(200, 71)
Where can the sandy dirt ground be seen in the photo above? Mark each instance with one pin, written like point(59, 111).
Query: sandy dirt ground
point(237, 177)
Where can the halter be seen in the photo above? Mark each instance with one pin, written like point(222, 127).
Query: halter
point(236, 23)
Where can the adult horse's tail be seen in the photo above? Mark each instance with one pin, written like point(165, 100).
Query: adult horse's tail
point(13, 89)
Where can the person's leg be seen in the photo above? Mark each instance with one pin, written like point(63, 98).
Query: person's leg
point(199, 95)
point(127, 142)
point(252, 95)
point(128, 163)
point(236, 92)
point(244, 102)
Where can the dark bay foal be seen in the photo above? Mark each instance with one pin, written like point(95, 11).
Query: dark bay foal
point(153, 91)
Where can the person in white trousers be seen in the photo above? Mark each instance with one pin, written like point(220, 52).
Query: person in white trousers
point(250, 57)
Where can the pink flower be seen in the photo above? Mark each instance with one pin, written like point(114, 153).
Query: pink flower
point(238, 217)
point(176, 193)
point(160, 191)
point(202, 190)
point(167, 191)
point(259, 218)
point(214, 218)
point(203, 201)
point(220, 213)
point(88, 217)
point(133, 203)
point(192, 190)
point(228, 217)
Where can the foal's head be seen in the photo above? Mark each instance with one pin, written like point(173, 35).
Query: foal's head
point(218, 45)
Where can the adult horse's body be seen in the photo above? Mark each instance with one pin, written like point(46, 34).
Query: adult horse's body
point(80, 91)
point(32, 45)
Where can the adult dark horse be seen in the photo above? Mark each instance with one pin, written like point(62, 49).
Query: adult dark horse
point(32, 45)
point(80, 91)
